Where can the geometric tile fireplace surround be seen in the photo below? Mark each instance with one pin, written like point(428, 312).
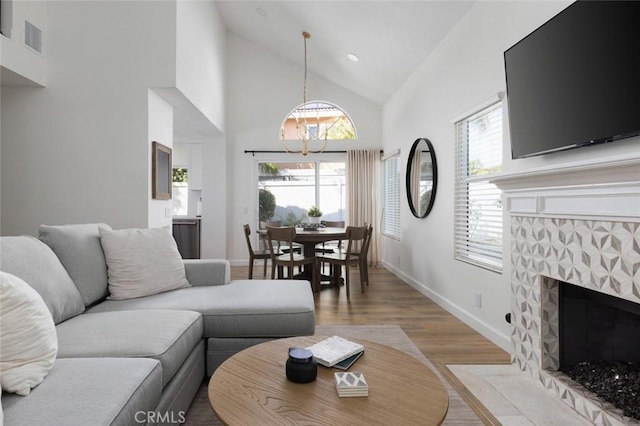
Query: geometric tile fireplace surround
point(579, 224)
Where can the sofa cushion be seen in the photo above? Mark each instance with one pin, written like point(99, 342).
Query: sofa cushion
point(168, 336)
point(34, 262)
point(243, 308)
point(79, 250)
point(141, 262)
point(28, 343)
point(90, 391)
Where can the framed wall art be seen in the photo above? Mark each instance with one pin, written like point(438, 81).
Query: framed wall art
point(161, 161)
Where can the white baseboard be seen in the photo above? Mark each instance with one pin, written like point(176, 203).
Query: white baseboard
point(500, 339)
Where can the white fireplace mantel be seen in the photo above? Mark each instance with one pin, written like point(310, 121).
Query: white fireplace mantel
point(606, 189)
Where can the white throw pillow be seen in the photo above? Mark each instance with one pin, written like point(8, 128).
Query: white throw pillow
point(28, 340)
point(142, 262)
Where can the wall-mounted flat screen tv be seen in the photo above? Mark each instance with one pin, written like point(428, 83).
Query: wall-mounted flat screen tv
point(575, 81)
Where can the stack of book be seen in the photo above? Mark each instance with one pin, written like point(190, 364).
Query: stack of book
point(336, 352)
point(351, 384)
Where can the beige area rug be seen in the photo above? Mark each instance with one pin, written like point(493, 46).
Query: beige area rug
point(200, 412)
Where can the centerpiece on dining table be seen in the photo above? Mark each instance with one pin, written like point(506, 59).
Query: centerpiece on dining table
point(313, 219)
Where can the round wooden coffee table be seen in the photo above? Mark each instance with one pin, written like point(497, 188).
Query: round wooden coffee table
point(251, 388)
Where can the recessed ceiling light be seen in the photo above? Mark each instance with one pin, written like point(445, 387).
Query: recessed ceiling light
point(352, 57)
point(260, 11)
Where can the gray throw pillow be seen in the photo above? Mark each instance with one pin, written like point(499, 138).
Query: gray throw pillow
point(142, 262)
point(78, 248)
point(32, 260)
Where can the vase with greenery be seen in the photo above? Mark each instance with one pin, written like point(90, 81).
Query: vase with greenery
point(314, 214)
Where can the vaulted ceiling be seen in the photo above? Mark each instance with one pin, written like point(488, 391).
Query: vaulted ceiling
point(391, 38)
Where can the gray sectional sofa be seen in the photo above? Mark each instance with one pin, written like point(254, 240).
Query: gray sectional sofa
point(142, 360)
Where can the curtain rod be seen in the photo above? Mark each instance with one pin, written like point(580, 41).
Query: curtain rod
point(254, 152)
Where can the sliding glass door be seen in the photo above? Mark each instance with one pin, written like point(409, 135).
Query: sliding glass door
point(286, 191)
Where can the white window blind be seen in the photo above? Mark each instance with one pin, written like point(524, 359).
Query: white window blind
point(391, 196)
point(478, 203)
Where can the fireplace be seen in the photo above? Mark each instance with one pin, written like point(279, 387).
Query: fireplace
point(577, 224)
point(592, 255)
point(596, 327)
point(599, 343)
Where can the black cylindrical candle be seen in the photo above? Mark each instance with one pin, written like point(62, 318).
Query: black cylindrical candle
point(301, 367)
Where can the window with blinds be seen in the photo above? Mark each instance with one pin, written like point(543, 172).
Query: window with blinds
point(391, 196)
point(478, 203)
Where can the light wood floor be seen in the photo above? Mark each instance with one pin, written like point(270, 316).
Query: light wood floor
point(388, 300)
point(440, 336)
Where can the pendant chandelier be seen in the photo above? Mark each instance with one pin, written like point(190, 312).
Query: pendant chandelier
point(307, 120)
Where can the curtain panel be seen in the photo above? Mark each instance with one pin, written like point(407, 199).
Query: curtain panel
point(363, 176)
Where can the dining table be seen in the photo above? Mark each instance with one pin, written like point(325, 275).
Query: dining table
point(310, 238)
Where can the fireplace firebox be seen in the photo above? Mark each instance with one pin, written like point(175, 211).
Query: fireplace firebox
point(599, 345)
point(596, 327)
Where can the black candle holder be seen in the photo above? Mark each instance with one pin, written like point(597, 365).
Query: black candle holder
point(301, 367)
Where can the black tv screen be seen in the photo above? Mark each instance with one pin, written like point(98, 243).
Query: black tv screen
point(575, 81)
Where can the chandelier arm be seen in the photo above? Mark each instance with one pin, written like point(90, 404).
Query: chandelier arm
point(321, 149)
point(289, 151)
point(300, 130)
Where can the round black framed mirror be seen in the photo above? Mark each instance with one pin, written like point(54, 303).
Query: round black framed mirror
point(422, 177)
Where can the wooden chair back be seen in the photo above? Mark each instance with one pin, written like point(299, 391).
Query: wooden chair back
point(247, 234)
point(332, 243)
point(280, 237)
point(356, 236)
point(254, 255)
point(366, 244)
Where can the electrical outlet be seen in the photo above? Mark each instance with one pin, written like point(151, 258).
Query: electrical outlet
point(479, 300)
point(167, 212)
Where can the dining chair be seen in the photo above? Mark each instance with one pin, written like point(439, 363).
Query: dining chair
point(333, 245)
point(283, 237)
point(352, 256)
point(253, 255)
point(364, 261)
point(278, 224)
point(362, 252)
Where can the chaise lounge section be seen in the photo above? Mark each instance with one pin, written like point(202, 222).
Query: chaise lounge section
point(139, 360)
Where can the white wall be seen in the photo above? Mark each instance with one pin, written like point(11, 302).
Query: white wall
point(161, 131)
point(216, 211)
point(465, 71)
point(14, 54)
point(200, 71)
point(262, 89)
point(78, 150)
point(81, 147)
point(200, 64)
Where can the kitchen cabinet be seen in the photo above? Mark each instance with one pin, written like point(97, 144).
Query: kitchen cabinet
point(186, 232)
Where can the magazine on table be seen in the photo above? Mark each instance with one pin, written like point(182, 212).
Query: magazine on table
point(348, 362)
point(334, 349)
